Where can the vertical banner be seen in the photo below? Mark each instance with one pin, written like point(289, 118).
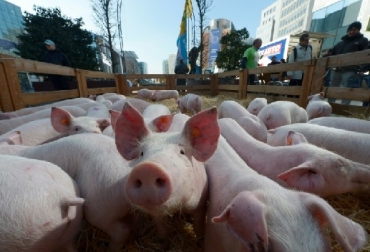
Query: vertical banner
point(182, 39)
point(214, 45)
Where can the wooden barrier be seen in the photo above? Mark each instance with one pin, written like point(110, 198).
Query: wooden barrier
point(232, 82)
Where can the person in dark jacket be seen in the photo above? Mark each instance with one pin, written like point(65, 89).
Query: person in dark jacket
point(181, 68)
point(193, 56)
point(354, 41)
point(57, 57)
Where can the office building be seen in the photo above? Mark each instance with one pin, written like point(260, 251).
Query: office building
point(334, 17)
point(171, 63)
point(165, 69)
point(143, 67)
point(285, 17)
point(10, 26)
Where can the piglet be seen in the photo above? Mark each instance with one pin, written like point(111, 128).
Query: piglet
point(190, 102)
point(158, 95)
point(317, 107)
point(40, 207)
point(281, 113)
point(256, 105)
point(345, 123)
point(168, 175)
point(249, 212)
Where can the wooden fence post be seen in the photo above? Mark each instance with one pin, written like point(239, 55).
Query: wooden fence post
point(81, 83)
point(168, 81)
point(214, 84)
point(12, 80)
point(6, 104)
point(121, 85)
point(318, 75)
point(243, 80)
point(306, 83)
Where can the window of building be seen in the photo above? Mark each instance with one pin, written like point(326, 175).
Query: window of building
point(318, 20)
point(350, 11)
point(333, 16)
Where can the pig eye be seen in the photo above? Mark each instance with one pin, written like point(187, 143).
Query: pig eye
point(182, 152)
point(76, 129)
point(142, 154)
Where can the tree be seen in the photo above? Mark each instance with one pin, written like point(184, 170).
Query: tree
point(106, 14)
point(203, 7)
point(67, 34)
point(232, 49)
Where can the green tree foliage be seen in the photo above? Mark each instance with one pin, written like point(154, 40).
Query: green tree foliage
point(67, 34)
point(232, 49)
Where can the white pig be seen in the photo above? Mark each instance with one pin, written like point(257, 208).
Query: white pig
point(281, 113)
point(154, 111)
point(100, 172)
point(158, 95)
point(317, 107)
point(63, 122)
point(9, 124)
point(190, 102)
point(138, 104)
point(345, 123)
point(303, 166)
point(249, 212)
point(40, 208)
point(168, 175)
point(256, 105)
point(249, 122)
point(351, 145)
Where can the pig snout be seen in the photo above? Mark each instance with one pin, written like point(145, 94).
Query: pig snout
point(149, 185)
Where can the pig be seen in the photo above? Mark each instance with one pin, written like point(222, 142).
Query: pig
point(138, 104)
point(317, 107)
point(178, 122)
point(12, 137)
point(345, 123)
point(250, 212)
point(9, 124)
point(351, 145)
point(115, 98)
point(249, 122)
point(63, 122)
point(100, 111)
point(100, 172)
point(144, 93)
point(40, 206)
point(27, 111)
point(168, 174)
point(154, 111)
point(190, 102)
point(281, 113)
point(303, 166)
point(256, 105)
point(159, 95)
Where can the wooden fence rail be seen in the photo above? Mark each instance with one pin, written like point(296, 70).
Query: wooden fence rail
point(233, 82)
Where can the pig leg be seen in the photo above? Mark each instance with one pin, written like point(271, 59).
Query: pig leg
point(119, 232)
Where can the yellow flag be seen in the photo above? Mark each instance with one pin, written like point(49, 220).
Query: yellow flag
point(189, 8)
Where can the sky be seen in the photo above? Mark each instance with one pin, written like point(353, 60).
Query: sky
point(150, 28)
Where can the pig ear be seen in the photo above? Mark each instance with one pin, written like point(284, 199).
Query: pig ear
point(113, 117)
point(294, 138)
point(129, 131)
point(322, 95)
point(303, 177)
point(202, 131)
point(349, 234)
point(60, 119)
point(246, 210)
point(10, 138)
point(162, 123)
point(310, 97)
point(103, 123)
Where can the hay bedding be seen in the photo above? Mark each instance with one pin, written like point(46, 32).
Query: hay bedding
point(355, 206)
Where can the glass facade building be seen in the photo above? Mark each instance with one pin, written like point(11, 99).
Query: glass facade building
point(10, 26)
point(335, 19)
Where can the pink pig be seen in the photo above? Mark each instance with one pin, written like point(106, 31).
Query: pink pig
point(168, 175)
point(303, 166)
point(40, 209)
point(317, 107)
point(158, 95)
point(249, 122)
point(281, 113)
point(256, 105)
point(190, 102)
point(249, 212)
point(345, 123)
point(100, 172)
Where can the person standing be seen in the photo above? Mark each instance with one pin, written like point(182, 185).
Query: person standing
point(274, 76)
point(251, 58)
point(353, 41)
point(193, 56)
point(57, 57)
point(181, 68)
point(302, 52)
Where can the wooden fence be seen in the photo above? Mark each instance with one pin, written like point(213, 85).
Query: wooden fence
point(232, 82)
